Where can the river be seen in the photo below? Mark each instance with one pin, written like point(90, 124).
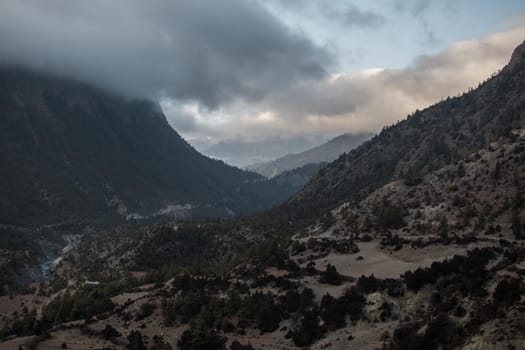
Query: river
point(52, 261)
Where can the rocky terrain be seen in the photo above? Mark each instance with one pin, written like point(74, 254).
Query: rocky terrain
point(415, 240)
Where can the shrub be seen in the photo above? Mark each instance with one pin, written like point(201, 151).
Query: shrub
point(146, 310)
point(508, 292)
point(294, 301)
point(238, 346)
point(353, 303)
point(369, 284)
point(83, 304)
point(110, 332)
point(389, 216)
point(200, 338)
point(332, 312)
point(21, 326)
point(470, 268)
point(330, 276)
point(263, 310)
point(440, 333)
point(309, 330)
point(417, 279)
point(135, 341)
point(159, 344)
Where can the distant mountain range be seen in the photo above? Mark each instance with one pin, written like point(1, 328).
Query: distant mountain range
point(296, 178)
point(324, 153)
point(242, 153)
point(70, 152)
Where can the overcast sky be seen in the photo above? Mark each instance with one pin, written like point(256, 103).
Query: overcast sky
point(258, 68)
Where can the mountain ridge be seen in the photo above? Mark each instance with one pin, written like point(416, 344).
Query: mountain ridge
point(426, 140)
point(73, 152)
point(243, 152)
point(414, 240)
point(324, 153)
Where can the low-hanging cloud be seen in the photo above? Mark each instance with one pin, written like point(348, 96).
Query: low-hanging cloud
point(202, 50)
point(368, 100)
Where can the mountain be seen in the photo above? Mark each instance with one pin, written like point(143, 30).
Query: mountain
point(414, 240)
point(242, 153)
point(71, 153)
point(296, 178)
point(432, 265)
point(324, 153)
point(427, 140)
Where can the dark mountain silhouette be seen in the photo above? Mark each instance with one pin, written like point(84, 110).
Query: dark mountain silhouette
point(69, 152)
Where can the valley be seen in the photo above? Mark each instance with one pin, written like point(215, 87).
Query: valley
point(429, 261)
point(405, 231)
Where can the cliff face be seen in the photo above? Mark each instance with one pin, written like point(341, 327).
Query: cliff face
point(69, 152)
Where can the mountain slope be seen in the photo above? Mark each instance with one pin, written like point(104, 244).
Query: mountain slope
point(326, 152)
point(425, 141)
point(424, 258)
point(423, 263)
point(298, 177)
point(69, 152)
point(242, 153)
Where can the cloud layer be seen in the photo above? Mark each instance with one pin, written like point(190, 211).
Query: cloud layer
point(230, 68)
point(368, 100)
point(204, 50)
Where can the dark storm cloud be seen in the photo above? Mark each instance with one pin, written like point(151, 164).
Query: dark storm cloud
point(203, 50)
